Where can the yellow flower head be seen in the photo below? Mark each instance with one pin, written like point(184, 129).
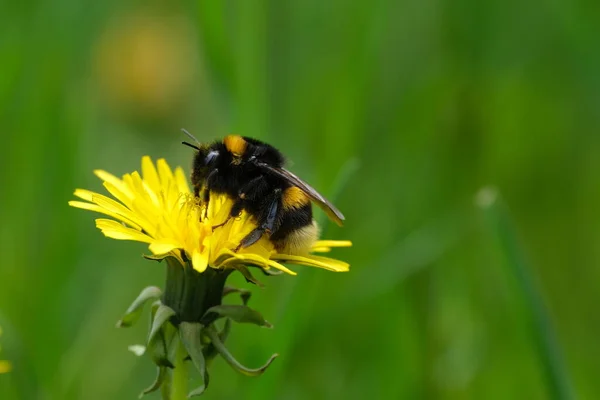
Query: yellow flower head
point(158, 208)
point(5, 366)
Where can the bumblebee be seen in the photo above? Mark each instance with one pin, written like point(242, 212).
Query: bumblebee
point(252, 174)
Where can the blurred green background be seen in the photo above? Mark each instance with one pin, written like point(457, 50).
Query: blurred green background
point(430, 99)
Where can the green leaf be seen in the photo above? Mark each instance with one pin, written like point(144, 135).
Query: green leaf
point(500, 225)
point(135, 309)
point(214, 337)
point(239, 313)
point(161, 374)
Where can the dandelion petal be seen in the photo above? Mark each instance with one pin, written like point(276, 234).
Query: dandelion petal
point(150, 174)
point(163, 246)
point(200, 260)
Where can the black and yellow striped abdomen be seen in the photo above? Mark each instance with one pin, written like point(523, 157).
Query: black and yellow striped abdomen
point(297, 230)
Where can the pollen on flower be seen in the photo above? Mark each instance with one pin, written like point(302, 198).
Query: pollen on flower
point(157, 207)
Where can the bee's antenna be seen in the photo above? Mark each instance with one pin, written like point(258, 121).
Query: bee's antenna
point(193, 146)
point(190, 136)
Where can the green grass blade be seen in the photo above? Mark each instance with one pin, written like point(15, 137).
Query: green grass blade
point(544, 336)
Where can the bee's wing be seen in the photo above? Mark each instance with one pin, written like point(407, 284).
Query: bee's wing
point(315, 196)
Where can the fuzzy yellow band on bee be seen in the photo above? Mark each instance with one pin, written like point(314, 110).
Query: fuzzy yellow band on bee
point(235, 144)
point(294, 197)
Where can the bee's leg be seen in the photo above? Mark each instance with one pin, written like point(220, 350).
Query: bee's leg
point(236, 210)
point(267, 222)
point(206, 190)
point(205, 201)
point(250, 190)
point(203, 194)
point(250, 239)
point(254, 186)
point(221, 224)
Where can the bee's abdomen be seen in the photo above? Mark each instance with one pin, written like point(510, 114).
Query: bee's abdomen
point(292, 220)
point(296, 212)
point(297, 231)
point(296, 241)
point(294, 198)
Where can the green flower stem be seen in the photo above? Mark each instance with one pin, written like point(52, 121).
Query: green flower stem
point(165, 388)
point(179, 383)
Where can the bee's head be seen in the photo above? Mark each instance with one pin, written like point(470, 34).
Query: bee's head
point(204, 161)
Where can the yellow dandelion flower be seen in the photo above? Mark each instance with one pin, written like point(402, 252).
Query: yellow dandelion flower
point(200, 245)
point(5, 366)
point(157, 207)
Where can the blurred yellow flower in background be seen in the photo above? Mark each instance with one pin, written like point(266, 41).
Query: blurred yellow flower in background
point(145, 62)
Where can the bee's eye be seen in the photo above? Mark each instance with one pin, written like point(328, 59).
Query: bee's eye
point(210, 157)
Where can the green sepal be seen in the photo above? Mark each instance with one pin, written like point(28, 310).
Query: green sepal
point(238, 313)
point(162, 315)
point(135, 309)
point(164, 346)
point(269, 271)
point(156, 257)
point(214, 337)
point(248, 275)
point(190, 334)
point(224, 334)
point(161, 374)
point(171, 340)
point(159, 351)
point(244, 294)
point(200, 389)
point(210, 352)
point(161, 336)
